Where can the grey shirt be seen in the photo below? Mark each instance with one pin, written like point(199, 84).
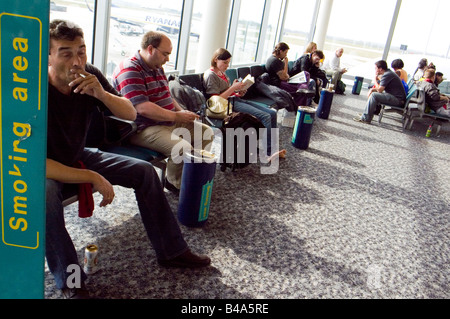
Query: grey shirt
point(214, 85)
point(393, 85)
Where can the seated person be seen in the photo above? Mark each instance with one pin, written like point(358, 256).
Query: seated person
point(217, 83)
point(310, 62)
point(439, 78)
point(142, 80)
point(333, 67)
point(398, 65)
point(278, 70)
point(433, 98)
point(390, 91)
point(75, 90)
point(418, 74)
point(431, 66)
point(310, 48)
point(277, 65)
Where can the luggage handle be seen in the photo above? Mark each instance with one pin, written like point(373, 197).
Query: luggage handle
point(229, 101)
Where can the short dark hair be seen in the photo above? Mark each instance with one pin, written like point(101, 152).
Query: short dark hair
point(397, 64)
point(220, 54)
point(381, 65)
point(152, 38)
point(318, 53)
point(64, 30)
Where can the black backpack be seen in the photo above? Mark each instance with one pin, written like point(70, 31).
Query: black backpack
point(188, 97)
point(245, 133)
point(340, 87)
point(282, 98)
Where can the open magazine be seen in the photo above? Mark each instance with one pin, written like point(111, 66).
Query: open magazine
point(298, 78)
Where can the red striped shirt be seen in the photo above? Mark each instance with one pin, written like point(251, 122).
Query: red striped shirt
point(137, 82)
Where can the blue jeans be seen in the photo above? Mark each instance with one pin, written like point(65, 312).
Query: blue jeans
point(266, 115)
point(377, 99)
point(159, 221)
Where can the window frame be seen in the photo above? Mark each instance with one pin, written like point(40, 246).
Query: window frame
point(102, 14)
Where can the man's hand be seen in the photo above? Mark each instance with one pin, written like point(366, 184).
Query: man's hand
point(86, 83)
point(104, 187)
point(71, 175)
point(186, 116)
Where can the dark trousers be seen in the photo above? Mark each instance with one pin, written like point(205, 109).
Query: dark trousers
point(159, 221)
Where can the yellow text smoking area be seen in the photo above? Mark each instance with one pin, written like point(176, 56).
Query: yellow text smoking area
point(23, 116)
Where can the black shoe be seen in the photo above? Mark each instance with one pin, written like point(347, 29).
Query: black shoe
point(169, 186)
point(186, 260)
point(75, 293)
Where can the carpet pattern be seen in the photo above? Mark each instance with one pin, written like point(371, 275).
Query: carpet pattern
point(362, 213)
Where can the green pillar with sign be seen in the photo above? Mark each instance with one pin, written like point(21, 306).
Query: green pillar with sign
point(23, 116)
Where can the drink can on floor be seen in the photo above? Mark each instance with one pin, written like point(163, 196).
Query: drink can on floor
point(90, 259)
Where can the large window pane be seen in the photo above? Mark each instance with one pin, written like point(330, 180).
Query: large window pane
point(80, 12)
point(297, 26)
point(420, 34)
point(248, 30)
point(271, 32)
point(130, 19)
point(362, 31)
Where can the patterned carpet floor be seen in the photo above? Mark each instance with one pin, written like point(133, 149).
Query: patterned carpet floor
point(362, 213)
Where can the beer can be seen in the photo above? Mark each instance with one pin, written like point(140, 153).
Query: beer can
point(90, 259)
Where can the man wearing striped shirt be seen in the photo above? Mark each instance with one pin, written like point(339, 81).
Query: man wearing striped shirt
point(162, 123)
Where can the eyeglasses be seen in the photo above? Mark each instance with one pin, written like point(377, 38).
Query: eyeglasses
point(165, 54)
